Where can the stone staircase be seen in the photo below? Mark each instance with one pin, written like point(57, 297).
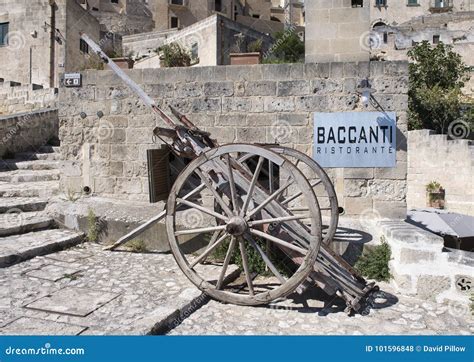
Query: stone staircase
point(26, 230)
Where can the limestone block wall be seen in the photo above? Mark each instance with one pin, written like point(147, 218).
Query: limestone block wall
point(254, 104)
point(27, 131)
point(25, 98)
point(451, 163)
point(336, 31)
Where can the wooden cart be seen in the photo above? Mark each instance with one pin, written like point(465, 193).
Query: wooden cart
point(250, 205)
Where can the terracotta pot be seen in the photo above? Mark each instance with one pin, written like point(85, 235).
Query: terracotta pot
point(245, 58)
point(436, 199)
point(124, 63)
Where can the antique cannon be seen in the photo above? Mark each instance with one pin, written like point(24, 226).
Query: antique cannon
point(260, 205)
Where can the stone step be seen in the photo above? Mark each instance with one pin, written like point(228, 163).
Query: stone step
point(22, 204)
point(11, 165)
point(15, 249)
point(13, 223)
point(31, 156)
point(29, 176)
point(49, 149)
point(44, 189)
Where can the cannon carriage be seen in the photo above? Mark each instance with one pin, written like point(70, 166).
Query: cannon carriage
point(250, 205)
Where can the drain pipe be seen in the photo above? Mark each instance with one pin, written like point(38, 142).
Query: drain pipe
point(52, 39)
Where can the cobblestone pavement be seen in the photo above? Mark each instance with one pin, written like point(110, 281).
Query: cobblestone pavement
point(395, 315)
point(85, 290)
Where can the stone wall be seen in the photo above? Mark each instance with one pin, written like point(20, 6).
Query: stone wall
point(335, 31)
point(237, 104)
point(27, 131)
point(451, 163)
point(25, 98)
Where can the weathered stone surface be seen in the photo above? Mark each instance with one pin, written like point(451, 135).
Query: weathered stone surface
point(429, 286)
point(38, 327)
point(14, 249)
point(120, 294)
point(73, 301)
point(53, 272)
point(393, 314)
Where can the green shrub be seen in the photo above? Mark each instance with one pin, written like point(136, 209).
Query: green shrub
point(92, 227)
point(174, 55)
point(255, 262)
point(373, 263)
point(255, 46)
point(137, 246)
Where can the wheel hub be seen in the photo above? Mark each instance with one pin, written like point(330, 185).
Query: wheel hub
point(237, 226)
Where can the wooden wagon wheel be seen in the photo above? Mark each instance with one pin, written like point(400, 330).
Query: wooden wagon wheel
point(242, 224)
point(322, 186)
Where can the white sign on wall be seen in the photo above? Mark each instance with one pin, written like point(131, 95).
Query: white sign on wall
point(356, 139)
point(73, 80)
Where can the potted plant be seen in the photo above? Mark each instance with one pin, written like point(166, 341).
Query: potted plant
point(124, 62)
point(435, 195)
point(252, 56)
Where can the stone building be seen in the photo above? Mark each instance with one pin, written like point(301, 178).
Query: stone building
point(395, 12)
point(169, 14)
point(386, 29)
point(210, 41)
point(123, 17)
point(40, 39)
point(334, 30)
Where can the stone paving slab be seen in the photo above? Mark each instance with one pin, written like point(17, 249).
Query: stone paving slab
point(393, 315)
point(14, 249)
point(153, 293)
point(53, 272)
point(78, 302)
point(35, 326)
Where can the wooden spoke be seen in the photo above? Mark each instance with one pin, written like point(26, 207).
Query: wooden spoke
point(208, 251)
point(203, 209)
point(201, 230)
point(252, 186)
point(298, 194)
point(245, 264)
point(265, 258)
point(295, 209)
point(233, 189)
point(268, 200)
point(214, 238)
point(274, 239)
point(233, 241)
point(218, 198)
point(278, 219)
